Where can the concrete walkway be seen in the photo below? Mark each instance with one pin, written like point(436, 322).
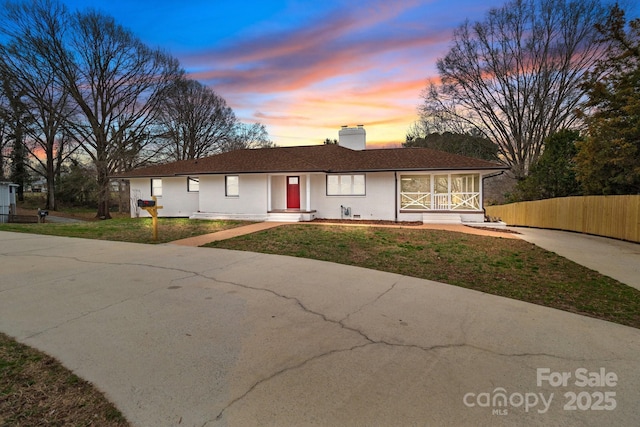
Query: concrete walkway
point(614, 258)
point(181, 336)
point(226, 234)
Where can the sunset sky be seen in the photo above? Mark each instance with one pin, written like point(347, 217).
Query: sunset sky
point(304, 68)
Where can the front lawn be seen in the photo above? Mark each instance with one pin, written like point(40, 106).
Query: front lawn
point(137, 230)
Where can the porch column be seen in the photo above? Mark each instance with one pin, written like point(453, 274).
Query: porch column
point(308, 192)
point(481, 191)
point(268, 193)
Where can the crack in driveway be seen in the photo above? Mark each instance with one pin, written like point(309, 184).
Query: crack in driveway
point(342, 323)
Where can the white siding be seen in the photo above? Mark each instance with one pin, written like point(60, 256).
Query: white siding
point(378, 203)
point(175, 200)
point(252, 199)
point(279, 192)
point(7, 200)
point(4, 199)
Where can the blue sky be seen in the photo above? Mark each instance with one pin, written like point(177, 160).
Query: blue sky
point(304, 68)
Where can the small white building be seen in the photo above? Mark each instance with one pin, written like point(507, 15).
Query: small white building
point(7, 200)
point(343, 181)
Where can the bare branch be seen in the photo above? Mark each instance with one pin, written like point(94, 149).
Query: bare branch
point(515, 76)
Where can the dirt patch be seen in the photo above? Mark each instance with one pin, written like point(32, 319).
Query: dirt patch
point(496, 229)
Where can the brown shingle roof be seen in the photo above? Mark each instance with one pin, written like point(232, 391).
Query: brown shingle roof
point(315, 158)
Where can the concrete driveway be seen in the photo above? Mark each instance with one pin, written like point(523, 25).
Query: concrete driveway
point(181, 336)
point(614, 258)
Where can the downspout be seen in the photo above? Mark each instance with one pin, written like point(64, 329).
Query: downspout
point(484, 212)
point(395, 174)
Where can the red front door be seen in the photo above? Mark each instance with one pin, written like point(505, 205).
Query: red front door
point(293, 192)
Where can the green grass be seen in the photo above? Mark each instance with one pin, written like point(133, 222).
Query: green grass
point(511, 268)
point(127, 229)
point(36, 390)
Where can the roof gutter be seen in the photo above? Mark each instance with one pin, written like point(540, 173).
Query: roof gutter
point(471, 168)
point(235, 172)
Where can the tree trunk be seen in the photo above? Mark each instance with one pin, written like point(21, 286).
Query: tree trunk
point(51, 181)
point(123, 193)
point(19, 170)
point(104, 191)
point(51, 194)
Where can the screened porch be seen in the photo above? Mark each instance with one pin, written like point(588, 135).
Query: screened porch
point(440, 192)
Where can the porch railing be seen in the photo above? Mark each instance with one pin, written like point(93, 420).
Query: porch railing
point(439, 201)
point(415, 200)
point(465, 201)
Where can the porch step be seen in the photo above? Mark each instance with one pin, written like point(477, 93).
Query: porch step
point(284, 217)
point(291, 216)
point(441, 218)
point(219, 215)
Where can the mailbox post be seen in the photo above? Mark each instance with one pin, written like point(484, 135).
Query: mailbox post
point(152, 207)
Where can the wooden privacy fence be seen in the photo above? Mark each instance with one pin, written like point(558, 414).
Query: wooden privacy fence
point(609, 216)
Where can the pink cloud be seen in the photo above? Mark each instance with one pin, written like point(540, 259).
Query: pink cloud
point(341, 43)
point(292, 72)
point(348, 67)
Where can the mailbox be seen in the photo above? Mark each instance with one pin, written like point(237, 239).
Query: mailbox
point(146, 203)
point(42, 215)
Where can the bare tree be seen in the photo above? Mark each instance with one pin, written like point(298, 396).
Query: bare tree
point(48, 105)
point(246, 135)
point(16, 120)
point(515, 76)
point(195, 121)
point(457, 143)
point(115, 81)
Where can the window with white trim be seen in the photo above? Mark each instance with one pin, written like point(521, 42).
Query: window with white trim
point(346, 185)
point(415, 192)
point(232, 187)
point(156, 187)
point(193, 185)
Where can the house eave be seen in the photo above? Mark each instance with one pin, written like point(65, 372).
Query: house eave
point(418, 169)
point(329, 171)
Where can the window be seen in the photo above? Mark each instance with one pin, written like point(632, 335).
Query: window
point(156, 187)
point(231, 186)
point(441, 184)
point(465, 191)
point(468, 183)
point(193, 185)
point(415, 192)
point(345, 185)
